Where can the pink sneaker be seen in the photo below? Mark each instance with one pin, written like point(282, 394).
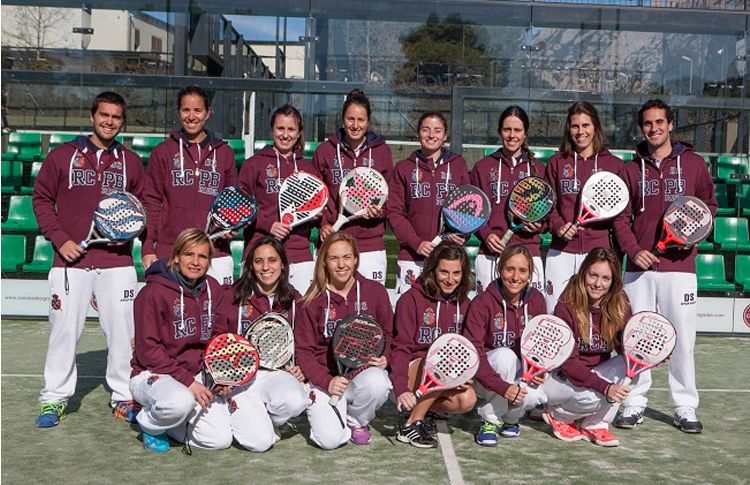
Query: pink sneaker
point(600, 436)
point(360, 435)
point(563, 431)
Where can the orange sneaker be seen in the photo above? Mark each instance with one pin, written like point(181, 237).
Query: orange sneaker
point(563, 431)
point(600, 436)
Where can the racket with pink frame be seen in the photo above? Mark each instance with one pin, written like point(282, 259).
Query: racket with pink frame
point(465, 210)
point(546, 343)
point(451, 361)
point(686, 222)
point(603, 197)
point(361, 188)
point(648, 340)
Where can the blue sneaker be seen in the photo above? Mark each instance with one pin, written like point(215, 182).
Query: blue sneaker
point(487, 435)
point(156, 443)
point(508, 430)
point(50, 414)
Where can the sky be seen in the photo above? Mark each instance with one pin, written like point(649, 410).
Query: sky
point(257, 28)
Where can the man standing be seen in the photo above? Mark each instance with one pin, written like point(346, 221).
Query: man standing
point(663, 170)
point(73, 179)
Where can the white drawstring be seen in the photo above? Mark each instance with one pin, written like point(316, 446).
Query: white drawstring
point(591, 328)
point(124, 172)
point(499, 179)
point(369, 158)
point(679, 175)
point(239, 317)
point(643, 185)
point(294, 312)
point(458, 316)
point(182, 310)
point(575, 171)
point(437, 315)
point(505, 324)
point(328, 312)
point(182, 158)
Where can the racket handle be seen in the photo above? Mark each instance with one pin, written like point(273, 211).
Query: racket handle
point(626, 381)
point(506, 237)
point(438, 239)
point(418, 394)
point(340, 221)
point(334, 401)
point(83, 245)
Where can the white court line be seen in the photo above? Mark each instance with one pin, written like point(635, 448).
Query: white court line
point(449, 455)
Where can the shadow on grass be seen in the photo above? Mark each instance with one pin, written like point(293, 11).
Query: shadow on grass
point(659, 416)
point(93, 363)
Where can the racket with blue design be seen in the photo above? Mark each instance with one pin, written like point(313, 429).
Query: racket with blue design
point(232, 210)
point(118, 218)
point(465, 210)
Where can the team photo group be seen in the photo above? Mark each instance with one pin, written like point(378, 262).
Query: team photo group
point(200, 358)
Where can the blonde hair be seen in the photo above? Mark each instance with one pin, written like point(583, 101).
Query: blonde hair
point(186, 239)
point(320, 276)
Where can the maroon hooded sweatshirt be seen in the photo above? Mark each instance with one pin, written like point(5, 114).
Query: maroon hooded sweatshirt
point(415, 197)
point(333, 159)
point(73, 179)
point(241, 317)
point(173, 324)
point(492, 322)
point(496, 175)
point(639, 226)
point(578, 368)
point(261, 175)
point(317, 321)
point(183, 179)
point(419, 321)
point(567, 175)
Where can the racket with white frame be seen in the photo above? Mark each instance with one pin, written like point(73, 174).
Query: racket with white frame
point(119, 217)
point(232, 210)
point(648, 340)
point(686, 222)
point(273, 337)
point(451, 361)
point(604, 196)
point(464, 211)
point(361, 188)
point(531, 200)
point(302, 197)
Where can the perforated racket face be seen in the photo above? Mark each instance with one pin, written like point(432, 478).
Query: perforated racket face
point(452, 360)
point(231, 359)
point(120, 217)
point(688, 219)
point(649, 338)
point(356, 339)
point(604, 195)
point(272, 336)
point(361, 188)
point(547, 341)
point(466, 209)
point(532, 199)
point(233, 208)
point(302, 196)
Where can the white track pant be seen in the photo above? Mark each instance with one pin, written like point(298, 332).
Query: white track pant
point(222, 269)
point(365, 394)
point(114, 289)
point(569, 403)
point(485, 267)
point(674, 295)
point(559, 268)
point(495, 408)
point(373, 265)
point(301, 275)
point(406, 273)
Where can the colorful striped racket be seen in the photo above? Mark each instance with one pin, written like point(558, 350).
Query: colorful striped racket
point(119, 217)
point(302, 196)
point(648, 340)
point(465, 210)
point(603, 197)
point(232, 210)
point(687, 222)
point(531, 200)
point(360, 188)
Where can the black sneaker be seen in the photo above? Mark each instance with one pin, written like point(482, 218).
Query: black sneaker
point(687, 422)
point(429, 425)
point(415, 435)
point(630, 417)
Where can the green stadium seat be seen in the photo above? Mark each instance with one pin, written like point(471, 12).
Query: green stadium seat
point(711, 275)
point(543, 154)
point(731, 233)
point(624, 155)
point(12, 175)
point(260, 144)
point(35, 167)
point(546, 239)
point(44, 255)
point(743, 199)
point(14, 251)
point(27, 146)
point(310, 147)
point(20, 215)
point(137, 255)
point(705, 246)
point(57, 139)
point(237, 248)
point(723, 198)
point(727, 165)
point(489, 151)
point(143, 145)
point(238, 146)
point(742, 271)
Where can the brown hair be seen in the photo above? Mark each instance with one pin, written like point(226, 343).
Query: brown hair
point(511, 251)
point(289, 110)
point(359, 98)
point(577, 108)
point(320, 276)
point(451, 252)
point(519, 113)
point(187, 238)
point(248, 281)
point(433, 114)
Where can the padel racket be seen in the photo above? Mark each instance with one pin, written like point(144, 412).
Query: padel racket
point(603, 197)
point(465, 209)
point(232, 210)
point(531, 200)
point(686, 223)
point(119, 217)
point(546, 343)
point(356, 339)
point(648, 340)
point(272, 336)
point(360, 188)
point(302, 196)
point(451, 361)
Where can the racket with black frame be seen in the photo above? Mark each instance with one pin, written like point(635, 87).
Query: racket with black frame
point(230, 211)
point(531, 200)
point(119, 217)
point(464, 211)
point(273, 337)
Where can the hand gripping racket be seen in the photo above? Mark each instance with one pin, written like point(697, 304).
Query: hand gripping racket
point(531, 200)
point(272, 336)
point(546, 343)
point(119, 217)
point(232, 210)
point(302, 196)
point(603, 197)
point(356, 339)
point(465, 209)
point(648, 340)
point(450, 361)
point(686, 223)
point(360, 188)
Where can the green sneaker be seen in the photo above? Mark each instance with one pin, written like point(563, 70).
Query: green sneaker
point(487, 435)
point(50, 414)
